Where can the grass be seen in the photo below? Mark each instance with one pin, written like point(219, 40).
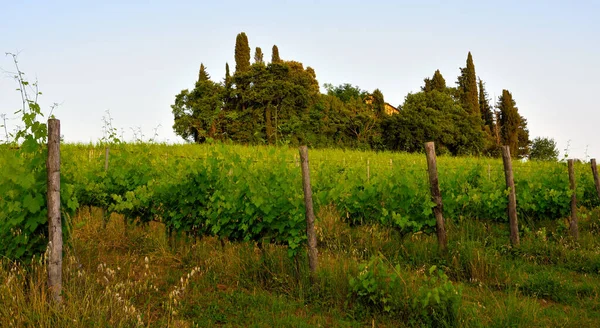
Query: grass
point(118, 276)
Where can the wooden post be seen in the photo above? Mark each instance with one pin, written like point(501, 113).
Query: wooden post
point(54, 221)
point(595, 173)
point(106, 153)
point(436, 195)
point(310, 214)
point(512, 196)
point(573, 224)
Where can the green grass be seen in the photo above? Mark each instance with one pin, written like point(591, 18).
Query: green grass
point(121, 276)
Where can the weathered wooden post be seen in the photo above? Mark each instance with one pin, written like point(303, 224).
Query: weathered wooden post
point(436, 195)
point(573, 224)
point(512, 196)
point(54, 220)
point(595, 173)
point(310, 214)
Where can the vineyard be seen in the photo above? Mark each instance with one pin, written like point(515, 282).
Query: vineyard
point(243, 195)
point(255, 193)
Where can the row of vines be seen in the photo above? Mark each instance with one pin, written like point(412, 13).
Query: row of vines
point(255, 193)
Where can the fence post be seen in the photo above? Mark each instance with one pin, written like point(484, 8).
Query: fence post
point(595, 173)
point(54, 219)
point(436, 195)
point(572, 185)
point(512, 196)
point(310, 214)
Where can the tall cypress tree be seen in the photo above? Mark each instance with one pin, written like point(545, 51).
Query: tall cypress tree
point(242, 53)
point(467, 87)
point(275, 55)
point(227, 76)
point(484, 106)
point(378, 103)
point(258, 56)
point(510, 120)
point(202, 74)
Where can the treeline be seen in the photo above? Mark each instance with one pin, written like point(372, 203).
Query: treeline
point(280, 102)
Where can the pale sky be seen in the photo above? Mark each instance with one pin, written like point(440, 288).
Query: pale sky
point(133, 57)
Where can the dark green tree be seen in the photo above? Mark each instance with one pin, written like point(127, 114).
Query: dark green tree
point(227, 77)
point(258, 56)
point(433, 116)
point(437, 82)
point(196, 113)
point(484, 106)
point(510, 121)
point(524, 143)
point(275, 55)
point(378, 103)
point(242, 53)
point(543, 149)
point(202, 74)
point(467, 88)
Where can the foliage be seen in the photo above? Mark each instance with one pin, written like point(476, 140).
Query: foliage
point(438, 300)
point(433, 116)
point(513, 129)
point(242, 53)
point(23, 202)
point(543, 149)
point(467, 88)
point(275, 55)
point(437, 82)
point(258, 56)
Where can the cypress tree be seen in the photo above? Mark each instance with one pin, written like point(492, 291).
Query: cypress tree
point(467, 87)
point(437, 82)
point(484, 106)
point(203, 75)
point(258, 56)
point(378, 103)
point(242, 53)
point(275, 55)
point(227, 76)
point(510, 120)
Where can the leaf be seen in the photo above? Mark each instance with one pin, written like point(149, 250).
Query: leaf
point(32, 204)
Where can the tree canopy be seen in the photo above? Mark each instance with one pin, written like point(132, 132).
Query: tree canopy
point(281, 103)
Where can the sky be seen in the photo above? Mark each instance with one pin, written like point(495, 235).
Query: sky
point(130, 58)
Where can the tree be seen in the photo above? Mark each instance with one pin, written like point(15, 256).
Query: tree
point(437, 82)
point(345, 92)
point(275, 55)
point(196, 113)
point(242, 53)
point(467, 88)
point(258, 56)
point(510, 120)
point(433, 116)
point(202, 74)
point(543, 149)
point(524, 144)
point(378, 103)
point(484, 106)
